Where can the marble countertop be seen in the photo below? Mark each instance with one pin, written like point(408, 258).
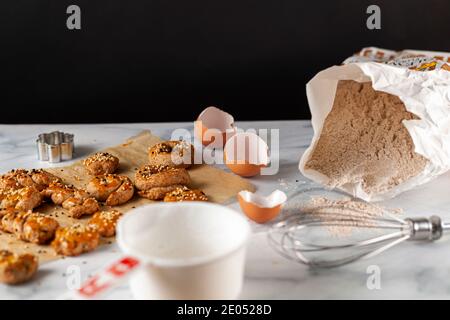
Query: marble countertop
point(409, 271)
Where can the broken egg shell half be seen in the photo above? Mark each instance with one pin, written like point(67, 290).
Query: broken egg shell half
point(245, 154)
point(211, 122)
point(260, 208)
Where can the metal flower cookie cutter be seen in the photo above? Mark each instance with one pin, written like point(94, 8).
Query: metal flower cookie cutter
point(55, 146)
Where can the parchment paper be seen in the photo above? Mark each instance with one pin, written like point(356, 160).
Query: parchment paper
point(218, 185)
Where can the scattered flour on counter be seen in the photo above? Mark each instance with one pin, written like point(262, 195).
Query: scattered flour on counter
point(346, 214)
point(289, 185)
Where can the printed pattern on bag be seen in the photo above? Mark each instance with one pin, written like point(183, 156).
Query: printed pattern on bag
point(418, 61)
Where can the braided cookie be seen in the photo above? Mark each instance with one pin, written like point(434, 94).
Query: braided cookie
point(155, 181)
point(113, 189)
point(177, 154)
point(101, 163)
point(75, 240)
point(185, 194)
point(16, 268)
point(105, 222)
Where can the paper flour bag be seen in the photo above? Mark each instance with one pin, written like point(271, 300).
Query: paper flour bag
point(381, 123)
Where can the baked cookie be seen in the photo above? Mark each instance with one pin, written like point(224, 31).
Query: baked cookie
point(16, 268)
point(158, 193)
point(185, 194)
point(177, 154)
point(101, 163)
point(105, 222)
point(19, 178)
point(31, 227)
point(4, 212)
point(77, 201)
point(58, 192)
point(75, 240)
point(155, 181)
point(23, 199)
point(113, 189)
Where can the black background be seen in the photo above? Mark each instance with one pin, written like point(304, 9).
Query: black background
point(165, 60)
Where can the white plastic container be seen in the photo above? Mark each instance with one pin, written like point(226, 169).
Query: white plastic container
point(190, 250)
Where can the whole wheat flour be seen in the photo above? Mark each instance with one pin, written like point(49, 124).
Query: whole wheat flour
point(364, 141)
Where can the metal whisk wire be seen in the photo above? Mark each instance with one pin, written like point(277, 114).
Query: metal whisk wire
point(285, 237)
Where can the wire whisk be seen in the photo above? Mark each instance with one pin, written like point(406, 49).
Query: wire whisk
point(306, 237)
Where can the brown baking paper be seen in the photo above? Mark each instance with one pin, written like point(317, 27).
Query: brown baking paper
point(218, 185)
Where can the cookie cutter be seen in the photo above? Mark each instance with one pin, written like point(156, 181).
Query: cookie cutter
point(55, 146)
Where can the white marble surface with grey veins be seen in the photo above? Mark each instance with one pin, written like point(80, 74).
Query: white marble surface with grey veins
point(410, 271)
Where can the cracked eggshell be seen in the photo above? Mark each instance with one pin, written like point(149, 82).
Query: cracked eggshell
point(245, 154)
point(216, 120)
point(261, 208)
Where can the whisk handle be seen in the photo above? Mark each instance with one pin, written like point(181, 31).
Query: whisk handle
point(426, 228)
point(445, 226)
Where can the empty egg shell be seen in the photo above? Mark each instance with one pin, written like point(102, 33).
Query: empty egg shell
point(260, 208)
point(213, 122)
point(245, 154)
